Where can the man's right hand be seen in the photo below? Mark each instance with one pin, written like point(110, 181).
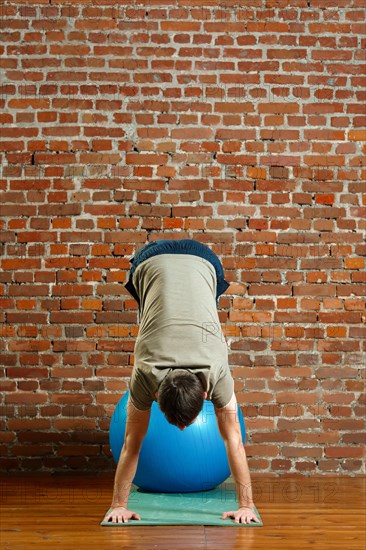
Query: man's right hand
point(120, 514)
point(136, 427)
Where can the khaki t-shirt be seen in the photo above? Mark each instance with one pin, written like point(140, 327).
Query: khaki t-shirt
point(179, 328)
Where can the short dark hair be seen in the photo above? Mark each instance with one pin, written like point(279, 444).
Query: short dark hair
point(180, 397)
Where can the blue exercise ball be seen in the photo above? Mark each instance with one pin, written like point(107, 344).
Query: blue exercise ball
point(175, 461)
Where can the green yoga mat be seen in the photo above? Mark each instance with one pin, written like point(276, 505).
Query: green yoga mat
point(203, 508)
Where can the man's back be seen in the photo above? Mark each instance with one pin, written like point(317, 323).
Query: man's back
point(179, 323)
point(179, 327)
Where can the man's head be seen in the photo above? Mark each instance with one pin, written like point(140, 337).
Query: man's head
point(181, 397)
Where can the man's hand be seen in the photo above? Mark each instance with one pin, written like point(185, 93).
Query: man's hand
point(136, 428)
point(243, 515)
point(229, 426)
point(120, 515)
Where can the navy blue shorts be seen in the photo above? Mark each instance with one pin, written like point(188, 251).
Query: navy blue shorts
point(182, 246)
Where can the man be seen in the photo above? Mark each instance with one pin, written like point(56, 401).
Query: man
point(181, 359)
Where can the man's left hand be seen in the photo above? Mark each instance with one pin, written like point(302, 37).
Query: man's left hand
point(243, 515)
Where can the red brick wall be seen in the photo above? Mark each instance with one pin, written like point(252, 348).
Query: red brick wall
point(240, 124)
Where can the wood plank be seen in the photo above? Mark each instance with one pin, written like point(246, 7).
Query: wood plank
point(43, 511)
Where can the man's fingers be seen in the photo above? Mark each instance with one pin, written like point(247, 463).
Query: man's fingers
point(115, 518)
point(244, 519)
point(239, 518)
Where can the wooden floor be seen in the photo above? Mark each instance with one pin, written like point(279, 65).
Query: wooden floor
point(63, 511)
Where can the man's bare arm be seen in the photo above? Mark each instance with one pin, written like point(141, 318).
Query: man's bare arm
point(229, 426)
point(136, 428)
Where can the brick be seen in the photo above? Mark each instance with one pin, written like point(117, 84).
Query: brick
point(354, 263)
point(71, 317)
point(27, 372)
point(132, 158)
point(71, 290)
point(185, 141)
point(92, 303)
point(357, 135)
point(24, 263)
point(180, 26)
point(192, 133)
point(26, 398)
